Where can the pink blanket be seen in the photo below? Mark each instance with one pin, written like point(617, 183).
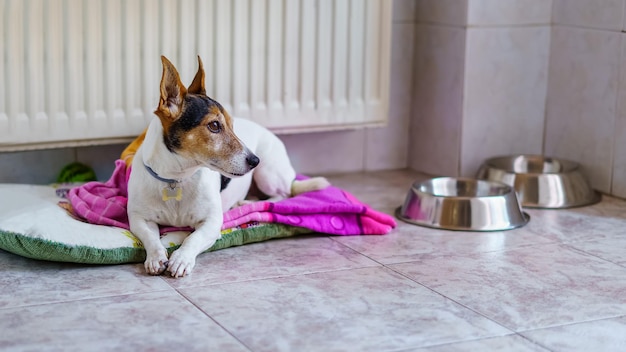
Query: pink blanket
point(332, 210)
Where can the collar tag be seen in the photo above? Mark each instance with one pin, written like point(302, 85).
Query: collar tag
point(172, 191)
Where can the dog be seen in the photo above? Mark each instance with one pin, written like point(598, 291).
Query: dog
point(193, 162)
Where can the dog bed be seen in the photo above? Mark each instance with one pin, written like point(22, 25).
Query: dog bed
point(33, 225)
point(35, 222)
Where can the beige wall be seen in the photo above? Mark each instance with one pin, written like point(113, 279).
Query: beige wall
point(586, 114)
point(497, 77)
point(480, 82)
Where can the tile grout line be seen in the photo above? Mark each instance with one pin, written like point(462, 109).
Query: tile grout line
point(385, 266)
point(96, 297)
point(582, 251)
point(214, 320)
point(621, 316)
point(272, 277)
point(450, 344)
point(275, 277)
point(451, 299)
point(512, 330)
point(522, 332)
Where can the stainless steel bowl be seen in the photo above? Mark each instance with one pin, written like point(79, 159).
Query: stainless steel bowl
point(462, 204)
point(541, 182)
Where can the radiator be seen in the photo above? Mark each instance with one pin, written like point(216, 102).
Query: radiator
point(81, 72)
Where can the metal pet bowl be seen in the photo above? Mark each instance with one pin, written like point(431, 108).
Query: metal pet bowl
point(462, 204)
point(541, 182)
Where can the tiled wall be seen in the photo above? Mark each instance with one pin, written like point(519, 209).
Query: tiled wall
point(506, 75)
point(329, 152)
point(440, 38)
point(586, 109)
point(480, 82)
point(497, 77)
point(43, 166)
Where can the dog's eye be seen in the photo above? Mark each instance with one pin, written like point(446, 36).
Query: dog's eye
point(215, 127)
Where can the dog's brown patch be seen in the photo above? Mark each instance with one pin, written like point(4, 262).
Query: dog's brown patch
point(172, 97)
point(197, 126)
point(197, 85)
point(201, 143)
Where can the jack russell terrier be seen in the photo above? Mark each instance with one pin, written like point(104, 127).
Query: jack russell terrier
point(182, 170)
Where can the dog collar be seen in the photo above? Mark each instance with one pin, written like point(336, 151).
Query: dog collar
point(173, 189)
point(169, 181)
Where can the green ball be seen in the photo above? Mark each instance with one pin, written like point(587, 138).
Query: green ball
point(76, 172)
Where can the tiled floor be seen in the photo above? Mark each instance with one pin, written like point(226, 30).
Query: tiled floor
point(557, 284)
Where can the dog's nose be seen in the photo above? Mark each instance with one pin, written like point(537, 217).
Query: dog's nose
point(252, 160)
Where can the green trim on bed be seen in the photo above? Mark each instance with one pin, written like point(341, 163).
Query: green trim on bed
point(42, 249)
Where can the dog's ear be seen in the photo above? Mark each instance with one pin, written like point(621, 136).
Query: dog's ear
point(197, 86)
point(172, 91)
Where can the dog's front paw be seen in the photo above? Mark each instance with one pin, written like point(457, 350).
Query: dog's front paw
point(181, 263)
point(156, 262)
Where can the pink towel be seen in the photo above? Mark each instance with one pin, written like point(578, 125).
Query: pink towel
point(103, 203)
point(332, 210)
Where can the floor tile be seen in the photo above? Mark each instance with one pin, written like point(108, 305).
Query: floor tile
point(29, 282)
point(410, 242)
point(528, 287)
point(607, 335)
point(350, 310)
point(609, 207)
point(572, 225)
point(509, 343)
point(141, 322)
point(607, 249)
point(275, 258)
